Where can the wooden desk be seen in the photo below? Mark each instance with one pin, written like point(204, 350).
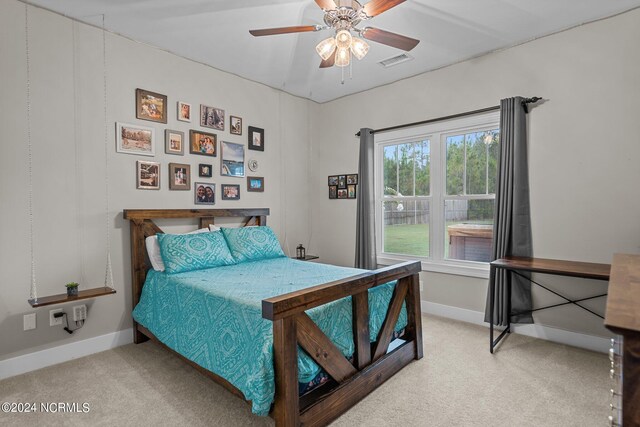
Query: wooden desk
point(517, 265)
point(623, 318)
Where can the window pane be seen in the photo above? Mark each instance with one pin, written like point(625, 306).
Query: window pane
point(405, 169)
point(455, 164)
point(469, 229)
point(476, 163)
point(390, 165)
point(494, 138)
point(423, 168)
point(406, 227)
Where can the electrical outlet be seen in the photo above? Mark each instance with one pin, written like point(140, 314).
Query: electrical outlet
point(79, 312)
point(29, 321)
point(55, 321)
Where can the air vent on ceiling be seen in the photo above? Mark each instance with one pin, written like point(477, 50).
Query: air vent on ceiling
point(390, 62)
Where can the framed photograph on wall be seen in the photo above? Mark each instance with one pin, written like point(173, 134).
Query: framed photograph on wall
point(151, 106)
point(351, 191)
point(211, 117)
point(232, 159)
point(256, 138)
point(255, 183)
point(230, 191)
point(147, 175)
point(333, 180)
point(352, 179)
point(205, 193)
point(135, 139)
point(179, 176)
point(184, 111)
point(174, 142)
point(333, 191)
point(342, 193)
point(203, 143)
point(235, 125)
point(342, 181)
point(205, 170)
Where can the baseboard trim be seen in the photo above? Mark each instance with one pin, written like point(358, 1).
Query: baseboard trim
point(63, 353)
point(575, 339)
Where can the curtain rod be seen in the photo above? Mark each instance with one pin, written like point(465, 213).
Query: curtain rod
point(455, 116)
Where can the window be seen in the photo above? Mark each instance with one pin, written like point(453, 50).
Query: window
point(436, 192)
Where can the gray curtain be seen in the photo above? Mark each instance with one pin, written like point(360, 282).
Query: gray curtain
point(512, 219)
point(365, 219)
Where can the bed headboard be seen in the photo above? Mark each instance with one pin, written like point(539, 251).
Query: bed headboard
point(142, 226)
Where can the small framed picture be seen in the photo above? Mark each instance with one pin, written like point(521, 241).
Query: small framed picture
point(342, 194)
point(151, 106)
point(147, 175)
point(179, 176)
point(184, 111)
point(235, 125)
point(333, 191)
point(174, 142)
point(255, 183)
point(342, 181)
point(230, 191)
point(203, 143)
point(205, 170)
point(211, 117)
point(351, 191)
point(256, 138)
point(205, 193)
point(333, 180)
point(352, 179)
point(232, 159)
point(134, 139)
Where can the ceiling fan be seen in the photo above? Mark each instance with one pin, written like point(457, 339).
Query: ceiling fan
point(343, 16)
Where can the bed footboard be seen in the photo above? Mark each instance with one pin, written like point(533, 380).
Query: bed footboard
point(372, 363)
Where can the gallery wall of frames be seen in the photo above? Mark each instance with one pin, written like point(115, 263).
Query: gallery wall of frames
point(204, 148)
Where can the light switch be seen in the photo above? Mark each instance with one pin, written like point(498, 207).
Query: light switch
point(29, 321)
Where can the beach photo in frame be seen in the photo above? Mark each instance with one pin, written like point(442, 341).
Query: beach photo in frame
point(256, 138)
point(147, 175)
point(174, 142)
point(135, 139)
point(230, 191)
point(151, 106)
point(184, 111)
point(235, 125)
point(211, 117)
point(203, 143)
point(232, 155)
point(179, 176)
point(255, 183)
point(205, 193)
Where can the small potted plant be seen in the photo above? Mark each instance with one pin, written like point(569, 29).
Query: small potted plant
point(72, 289)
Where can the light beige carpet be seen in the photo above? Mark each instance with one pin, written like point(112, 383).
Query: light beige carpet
point(528, 382)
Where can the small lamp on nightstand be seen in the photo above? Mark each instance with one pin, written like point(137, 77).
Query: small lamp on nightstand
point(301, 253)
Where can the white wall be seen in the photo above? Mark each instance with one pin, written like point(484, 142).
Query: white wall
point(583, 145)
point(69, 162)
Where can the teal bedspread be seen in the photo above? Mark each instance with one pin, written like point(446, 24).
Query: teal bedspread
point(214, 318)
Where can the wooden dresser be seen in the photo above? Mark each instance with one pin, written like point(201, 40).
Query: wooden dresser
point(623, 318)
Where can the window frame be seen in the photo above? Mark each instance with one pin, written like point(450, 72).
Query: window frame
point(436, 133)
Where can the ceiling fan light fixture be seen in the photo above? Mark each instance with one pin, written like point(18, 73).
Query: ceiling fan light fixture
point(326, 48)
point(359, 48)
point(343, 57)
point(343, 39)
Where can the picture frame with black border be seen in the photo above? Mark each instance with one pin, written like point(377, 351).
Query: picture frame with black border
point(174, 142)
point(205, 170)
point(147, 175)
point(151, 106)
point(179, 176)
point(342, 181)
point(230, 191)
point(333, 192)
point(204, 193)
point(342, 193)
point(352, 179)
point(333, 180)
point(351, 191)
point(256, 138)
point(255, 184)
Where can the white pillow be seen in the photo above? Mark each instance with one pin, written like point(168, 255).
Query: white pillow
point(213, 227)
point(153, 248)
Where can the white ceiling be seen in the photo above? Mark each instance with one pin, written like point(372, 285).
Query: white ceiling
point(216, 32)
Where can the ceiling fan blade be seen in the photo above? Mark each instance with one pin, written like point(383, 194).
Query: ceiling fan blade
point(329, 62)
point(388, 38)
point(285, 30)
point(376, 7)
point(326, 4)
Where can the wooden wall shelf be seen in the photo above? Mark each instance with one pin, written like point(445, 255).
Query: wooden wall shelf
point(63, 298)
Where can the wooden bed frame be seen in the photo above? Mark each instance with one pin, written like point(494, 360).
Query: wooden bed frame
point(372, 364)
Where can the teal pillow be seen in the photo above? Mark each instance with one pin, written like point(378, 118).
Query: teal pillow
point(188, 252)
point(252, 243)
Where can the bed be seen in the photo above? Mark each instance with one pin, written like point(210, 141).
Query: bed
point(263, 328)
